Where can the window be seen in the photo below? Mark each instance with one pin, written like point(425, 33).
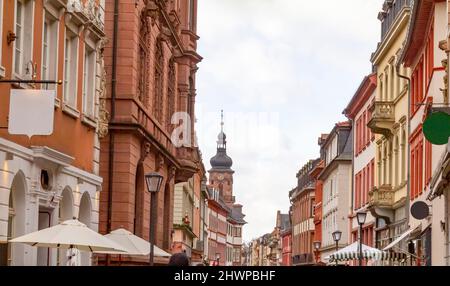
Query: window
point(428, 161)
point(417, 91)
point(416, 163)
point(49, 49)
point(142, 62)
point(171, 94)
point(2, 69)
point(191, 23)
point(429, 56)
point(89, 82)
point(158, 93)
point(70, 68)
point(23, 45)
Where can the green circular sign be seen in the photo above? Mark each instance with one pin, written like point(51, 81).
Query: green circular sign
point(436, 128)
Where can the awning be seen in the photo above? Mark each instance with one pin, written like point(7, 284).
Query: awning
point(351, 252)
point(402, 237)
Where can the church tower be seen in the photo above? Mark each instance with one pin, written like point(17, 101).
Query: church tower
point(221, 174)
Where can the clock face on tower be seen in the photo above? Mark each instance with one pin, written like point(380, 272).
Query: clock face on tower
point(220, 177)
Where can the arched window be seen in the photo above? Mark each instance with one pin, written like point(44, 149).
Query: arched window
point(142, 65)
point(170, 94)
point(159, 78)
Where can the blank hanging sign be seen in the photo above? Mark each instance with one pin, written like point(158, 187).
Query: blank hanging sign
point(31, 112)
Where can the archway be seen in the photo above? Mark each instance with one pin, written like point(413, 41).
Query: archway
point(65, 212)
point(84, 216)
point(66, 205)
point(14, 253)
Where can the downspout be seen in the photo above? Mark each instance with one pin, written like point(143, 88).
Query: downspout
point(408, 183)
point(113, 114)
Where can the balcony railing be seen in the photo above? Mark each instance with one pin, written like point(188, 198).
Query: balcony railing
point(383, 117)
point(382, 196)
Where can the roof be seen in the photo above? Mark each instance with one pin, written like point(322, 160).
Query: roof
point(339, 125)
point(285, 222)
point(236, 215)
point(347, 153)
point(417, 31)
point(361, 96)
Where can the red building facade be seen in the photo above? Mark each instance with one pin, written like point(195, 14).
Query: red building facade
point(302, 203)
point(151, 62)
point(286, 247)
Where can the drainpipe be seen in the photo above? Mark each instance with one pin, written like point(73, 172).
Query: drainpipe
point(408, 183)
point(113, 114)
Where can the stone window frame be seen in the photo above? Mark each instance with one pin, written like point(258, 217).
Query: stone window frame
point(143, 62)
point(158, 94)
point(71, 72)
point(171, 93)
point(91, 52)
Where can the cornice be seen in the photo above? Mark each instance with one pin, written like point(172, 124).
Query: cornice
point(396, 28)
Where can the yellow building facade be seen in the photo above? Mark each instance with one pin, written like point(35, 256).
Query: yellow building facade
point(389, 121)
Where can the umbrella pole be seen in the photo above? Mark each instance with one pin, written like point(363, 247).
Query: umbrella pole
point(120, 259)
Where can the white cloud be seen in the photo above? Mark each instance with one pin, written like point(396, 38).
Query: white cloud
point(300, 60)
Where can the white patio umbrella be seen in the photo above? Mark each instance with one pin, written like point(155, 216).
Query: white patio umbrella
point(68, 235)
point(132, 244)
point(350, 252)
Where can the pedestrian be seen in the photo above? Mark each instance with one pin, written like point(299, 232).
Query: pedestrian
point(179, 259)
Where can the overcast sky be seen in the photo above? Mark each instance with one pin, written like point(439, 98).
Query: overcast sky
point(283, 71)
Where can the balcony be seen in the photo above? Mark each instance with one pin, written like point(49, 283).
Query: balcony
point(383, 117)
point(381, 202)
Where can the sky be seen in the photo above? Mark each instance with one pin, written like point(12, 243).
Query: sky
point(283, 71)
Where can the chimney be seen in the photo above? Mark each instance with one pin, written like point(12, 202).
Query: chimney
point(238, 207)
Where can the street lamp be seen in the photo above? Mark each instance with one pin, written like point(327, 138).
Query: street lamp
point(154, 181)
point(361, 218)
point(217, 259)
point(336, 237)
point(317, 245)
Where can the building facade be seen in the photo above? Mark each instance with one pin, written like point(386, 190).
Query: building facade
point(151, 61)
point(217, 229)
point(389, 122)
point(188, 218)
point(336, 152)
point(52, 178)
point(286, 242)
point(221, 179)
point(318, 190)
point(302, 211)
point(358, 112)
point(424, 55)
